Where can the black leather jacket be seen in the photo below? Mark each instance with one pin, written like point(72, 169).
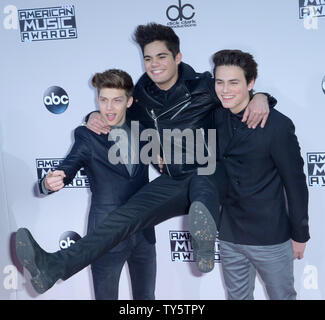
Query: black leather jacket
point(189, 104)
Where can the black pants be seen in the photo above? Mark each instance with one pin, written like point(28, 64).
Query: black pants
point(140, 256)
point(161, 199)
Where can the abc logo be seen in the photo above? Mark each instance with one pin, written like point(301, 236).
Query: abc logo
point(323, 85)
point(56, 100)
point(174, 12)
point(68, 238)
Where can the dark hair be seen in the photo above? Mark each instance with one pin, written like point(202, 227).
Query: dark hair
point(113, 78)
point(145, 34)
point(238, 58)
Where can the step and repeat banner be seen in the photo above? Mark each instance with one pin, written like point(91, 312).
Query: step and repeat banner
point(49, 51)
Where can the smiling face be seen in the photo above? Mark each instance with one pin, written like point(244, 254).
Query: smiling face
point(232, 88)
point(113, 104)
point(160, 65)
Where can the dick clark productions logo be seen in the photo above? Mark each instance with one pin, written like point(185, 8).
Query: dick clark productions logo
point(181, 15)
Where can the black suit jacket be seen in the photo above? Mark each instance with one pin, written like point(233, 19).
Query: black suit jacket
point(111, 184)
point(261, 164)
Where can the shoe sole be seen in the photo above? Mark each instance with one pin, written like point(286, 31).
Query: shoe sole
point(26, 256)
point(203, 231)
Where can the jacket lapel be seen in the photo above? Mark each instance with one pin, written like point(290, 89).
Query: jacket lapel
point(230, 139)
point(119, 168)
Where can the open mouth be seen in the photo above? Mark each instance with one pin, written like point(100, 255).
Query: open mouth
point(110, 116)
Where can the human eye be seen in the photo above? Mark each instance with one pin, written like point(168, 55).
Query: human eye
point(118, 100)
point(102, 99)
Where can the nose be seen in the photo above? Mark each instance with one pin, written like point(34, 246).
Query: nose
point(109, 105)
point(225, 88)
point(154, 62)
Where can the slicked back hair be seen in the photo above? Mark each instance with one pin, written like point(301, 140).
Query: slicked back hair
point(113, 79)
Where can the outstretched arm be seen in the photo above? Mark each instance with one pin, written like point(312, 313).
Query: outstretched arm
point(76, 159)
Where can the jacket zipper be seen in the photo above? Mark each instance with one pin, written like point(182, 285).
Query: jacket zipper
point(180, 110)
point(155, 119)
point(205, 144)
point(175, 106)
point(153, 116)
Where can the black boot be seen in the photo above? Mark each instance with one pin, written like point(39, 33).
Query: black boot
point(44, 267)
point(203, 232)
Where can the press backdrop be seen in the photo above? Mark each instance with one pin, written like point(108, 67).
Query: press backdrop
point(49, 51)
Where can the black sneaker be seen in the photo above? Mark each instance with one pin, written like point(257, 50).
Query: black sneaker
point(34, 259)
point(203, 232)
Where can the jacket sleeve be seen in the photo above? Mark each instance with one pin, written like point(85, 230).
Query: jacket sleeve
point(285, 151)
point(88, 115)
point(76, 159)
point(270, 99)
point(78, 156)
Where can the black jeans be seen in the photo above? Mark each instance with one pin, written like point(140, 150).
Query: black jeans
point(161, 199)
point(141, 258)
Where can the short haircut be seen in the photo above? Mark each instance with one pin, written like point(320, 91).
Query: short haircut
point(237, 58)
point(113, 79)
point(145, 34)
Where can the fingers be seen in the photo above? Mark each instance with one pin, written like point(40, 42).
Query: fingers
point(160, 163)
point(254, 118)
point(97, 124)
point(245, 115)
point(298, 249)
point(298, 255)
point(264, 120)
point(54, 180)
point(57, 173)
point(295, 254)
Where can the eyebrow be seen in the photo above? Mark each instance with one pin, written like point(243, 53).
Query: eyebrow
point(118, 97)
point(157, 55)
point(217, 79)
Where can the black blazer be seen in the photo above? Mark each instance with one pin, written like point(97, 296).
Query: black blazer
point(261, 164)
point(111, 185)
